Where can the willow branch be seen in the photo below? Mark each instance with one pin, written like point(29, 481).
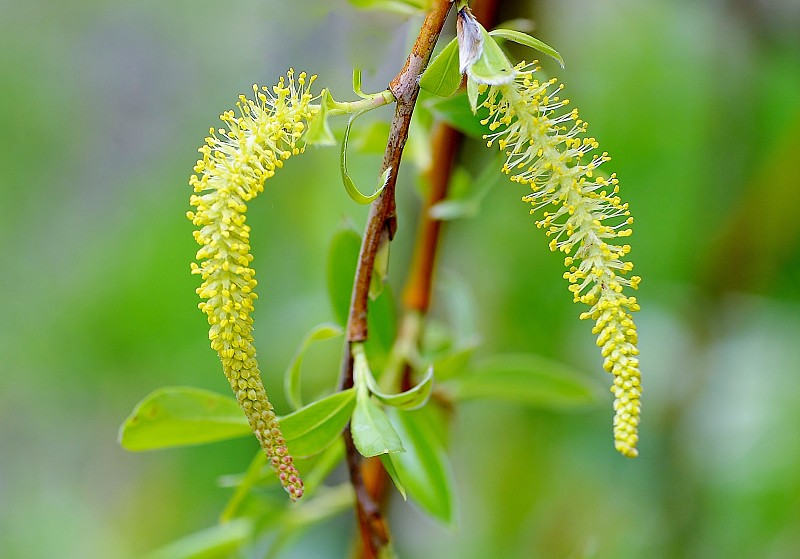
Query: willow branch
point(417, 292)
point(381, 226)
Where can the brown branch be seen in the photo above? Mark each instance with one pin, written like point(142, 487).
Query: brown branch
point(417, 292)
point(381, 226)
point(445, 144)
point(382, 221)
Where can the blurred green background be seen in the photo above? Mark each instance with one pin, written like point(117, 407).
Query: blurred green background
point(103, 105)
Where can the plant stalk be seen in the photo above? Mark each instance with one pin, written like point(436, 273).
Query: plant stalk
point(380, 228)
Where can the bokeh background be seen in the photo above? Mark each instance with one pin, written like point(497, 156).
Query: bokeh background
point(102, 106)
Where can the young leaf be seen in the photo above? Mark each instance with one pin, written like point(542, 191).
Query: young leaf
point(372, 431)
point(381, 322)
point(411, 399)
point(424, 468)
point(371, 138)
point(472, 95)
point(357, 84)
point(342, 258)
point(244, 484)
point(351, 188)
point(388, 465)
point(468, 207)
point(182, 416)
point(493, 67)
point(216, 542)
point(380, 268)
point(320, 332)
point(527, 379)
point(319, 131)
point(455, 362)
point(442, 77)
point(456, 112)
point(311, 429)
point(528, 41)
point(402, 7)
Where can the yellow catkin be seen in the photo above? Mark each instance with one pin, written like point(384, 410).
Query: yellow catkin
point(236, 162)
point(546, 148)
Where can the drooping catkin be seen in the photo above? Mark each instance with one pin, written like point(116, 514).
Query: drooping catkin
point(236, 162)
point(546, 148)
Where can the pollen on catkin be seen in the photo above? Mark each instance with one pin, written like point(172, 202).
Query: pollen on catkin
point(236, 162)
point(546, 148)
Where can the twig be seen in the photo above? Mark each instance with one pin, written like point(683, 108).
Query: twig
point(381, 226)
point(417, 292)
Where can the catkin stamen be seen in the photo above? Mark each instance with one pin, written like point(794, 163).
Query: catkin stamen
point(236, 162)
point(545, 150)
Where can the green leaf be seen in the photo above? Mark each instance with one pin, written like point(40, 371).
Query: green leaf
point(411, 399)
point(456, 112)
point(469, 207)
point(528, 41)
point(182, 416)
point(319, 131)
point(454, 363)
point(402, 7)
point(380, 269)
point(372, 137)
point(424, 468)
point(472, 95)
point(320, 332)
point(382, 323)
point(311, 429)
point(493, 67)
point(349, 186)
point(216, 542)
point(244, 484)
point(442, 76)
point(372, 431)
point(357, 84)
point(342, 259)
point(388, 465)
point(527, 379)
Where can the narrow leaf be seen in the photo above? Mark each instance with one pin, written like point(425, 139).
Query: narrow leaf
point(455, 362)
point(527, 379)
point(528, 41)
point(351, 188)
point(342, 259)
point(456, 112)
point(320, 332)
point(311, 429)
point(357, 84)
point(372, 431)
point(402, 7)
point(472, 94)
point(493, 67)
point(380, 268)
point(371, 138)
point(217, 542)
point(411, 399)
point(244, 484)
point(388, 465)
point(424, 469)
point(182, 416)
point(442, 77)
point(319, 131)
point(469, 207)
